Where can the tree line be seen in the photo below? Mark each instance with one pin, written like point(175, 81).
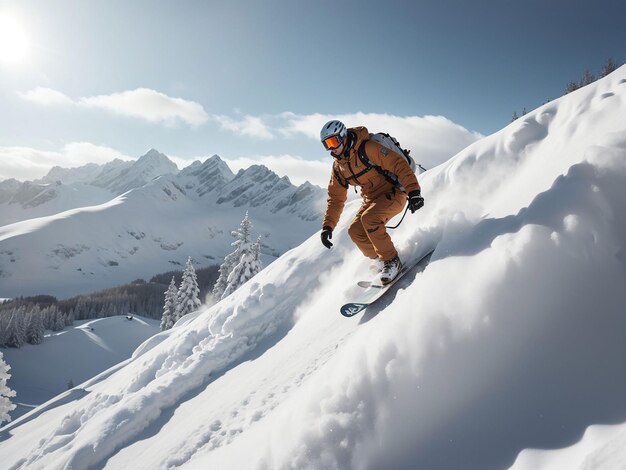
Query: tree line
point(23, 320)
point(587, 78)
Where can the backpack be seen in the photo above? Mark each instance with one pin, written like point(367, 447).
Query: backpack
point(392, 144)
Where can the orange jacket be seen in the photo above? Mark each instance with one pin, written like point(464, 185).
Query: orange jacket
point(372, 183)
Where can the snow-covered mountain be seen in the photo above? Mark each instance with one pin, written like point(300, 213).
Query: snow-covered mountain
point(82, 174)
point(70, 188)
point(105, 240)
point(512, 338)
point(124, 177)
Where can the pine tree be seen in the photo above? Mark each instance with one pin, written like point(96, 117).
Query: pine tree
point(514, 117)
point(608, 67)
point(4, 324)
point(187, 299)
point(5, 392)
point(587, 79)
point(257, 265)
point(248, 255)
point(16, 336)
point(571, 86)
point(34, 327)
point(59, 320)
point(225, 269)
point(169, 308)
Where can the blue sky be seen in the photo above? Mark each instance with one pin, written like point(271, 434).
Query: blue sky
point(252, 80)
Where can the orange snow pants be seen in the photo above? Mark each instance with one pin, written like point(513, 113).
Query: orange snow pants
point(368, 230)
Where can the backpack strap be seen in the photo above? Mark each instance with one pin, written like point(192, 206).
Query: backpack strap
point(393, 179)
point(364, 158)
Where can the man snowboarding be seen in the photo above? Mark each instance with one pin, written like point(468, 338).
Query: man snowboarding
point(385, 179)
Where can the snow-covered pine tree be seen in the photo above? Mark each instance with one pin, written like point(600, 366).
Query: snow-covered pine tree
point(257, 266)
point(225, 269)
point(169, 308)
point(34, 327)
point(5, 392)
point(4, 325)
point(16, 332)
point(249, 262)
point(59, 319)
point(187, 300)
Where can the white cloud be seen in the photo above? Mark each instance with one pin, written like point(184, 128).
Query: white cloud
point(150, 105)
point(296, 168)
point(250, 126)
point(431, 139)
point(46, 97)
point(141, 103)
point(25, 163)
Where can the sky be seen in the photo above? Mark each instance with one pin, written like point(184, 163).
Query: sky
point(254, 81)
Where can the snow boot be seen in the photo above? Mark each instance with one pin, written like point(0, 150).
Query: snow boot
point(391, 268)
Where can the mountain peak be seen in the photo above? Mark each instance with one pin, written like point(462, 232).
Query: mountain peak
point(214, 158)
point(154, 155)
point(159, 162)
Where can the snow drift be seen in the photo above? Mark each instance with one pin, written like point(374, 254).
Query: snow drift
point(512, 338)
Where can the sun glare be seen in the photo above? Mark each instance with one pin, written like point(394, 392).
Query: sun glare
point(13, 41)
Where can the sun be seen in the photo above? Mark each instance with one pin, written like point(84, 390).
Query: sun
point(13, 41)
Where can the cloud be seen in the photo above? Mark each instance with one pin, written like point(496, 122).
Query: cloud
point(250, 126)
point(46, 97)
point(296, 168)
point(141, 103)
point(431, 139)
point(150, 105)
point(25, 163)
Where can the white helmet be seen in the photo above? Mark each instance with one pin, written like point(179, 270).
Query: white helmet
point(333, 134)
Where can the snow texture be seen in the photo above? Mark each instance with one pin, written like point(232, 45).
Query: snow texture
point(512, 339)
point(72, 356)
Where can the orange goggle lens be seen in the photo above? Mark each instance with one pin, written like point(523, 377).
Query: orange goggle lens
point(331, 143)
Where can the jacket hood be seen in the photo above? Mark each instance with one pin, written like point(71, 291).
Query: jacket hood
point(361, 134)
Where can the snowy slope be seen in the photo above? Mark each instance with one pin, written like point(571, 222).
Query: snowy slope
point(75, 354)
point(512, 338)
point(33, 200)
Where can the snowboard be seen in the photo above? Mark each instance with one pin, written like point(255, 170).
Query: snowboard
point(373, 291)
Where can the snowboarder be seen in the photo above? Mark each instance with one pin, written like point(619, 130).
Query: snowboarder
point(382, 197)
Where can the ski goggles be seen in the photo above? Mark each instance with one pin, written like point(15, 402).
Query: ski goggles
point(332, 142)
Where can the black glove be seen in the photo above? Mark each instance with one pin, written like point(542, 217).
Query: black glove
point(327, 234)
point(416, 201)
